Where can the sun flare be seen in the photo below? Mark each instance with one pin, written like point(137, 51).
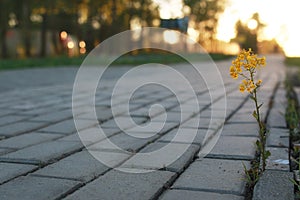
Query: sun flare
point(280, 19)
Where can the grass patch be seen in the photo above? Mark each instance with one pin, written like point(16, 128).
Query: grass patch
point(127, 59)
point(40, 62)
point(292, 61)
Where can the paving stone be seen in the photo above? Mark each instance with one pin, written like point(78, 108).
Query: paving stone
point(203, 123)
point(217, 113)
point(152, 128)
point(122, 142)
point(278, 137)
point(226, 176)
point(242, 118)
point(277, 119)
point(123, 120)
point(19, 128)
point(90, 135)
point(175, 117)
point(102, 113)
point(185, 108)
point(145, 111)
point(39, 111)
point(274, 185)
point(28, 139)
point(184, 153)
point(232, 147)
point(6, 111)
point(120, 185)
point(196, 195)
point(42, 153)
point(68, 126)
point(12, 170)
point(279, 159)
point(5, 150)
point(184, 136)
point(240, 130)
point(29, 187)
point(54, 116)
point(83, 166)
point(10, 119)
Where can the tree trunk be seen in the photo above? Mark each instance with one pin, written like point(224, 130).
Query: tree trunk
point(4, 50)
point(44, 36)
point(26, 30)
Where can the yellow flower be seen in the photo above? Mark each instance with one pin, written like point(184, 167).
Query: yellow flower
point(245, 65)
point(258, 83)
point(242, 88)
point(234, 75)
point(262, 61)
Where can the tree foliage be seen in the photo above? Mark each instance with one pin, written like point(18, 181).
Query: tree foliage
point(246, 37)
point(90, 20)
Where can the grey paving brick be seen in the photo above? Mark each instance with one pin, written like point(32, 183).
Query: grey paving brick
point(203, 123)
point(54, 116)
point(90, 135)
point(183, 155)
point(276, 118)
point(68, 126)
point(123, 120)
point(29, 187)
point(152, 128)
point(124, 142)
point(278, 137)
point(120, 185)
point(185, 135)
point(274, 185)
point(20, 127)
point(82, 166)
point(42, 153)
point(144, 111)
point(101, 113)
point(240, 130)
point(5, 150)
point(5, 111)
point(196, 195)
point(214, 175)
point(233, 147)
point(28, 139)
point(175, 117)
point(12, 170)
point(10, 119)
point(242, 118)
point(279, 159)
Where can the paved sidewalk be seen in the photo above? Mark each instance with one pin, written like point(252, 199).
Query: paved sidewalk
point(42, 157)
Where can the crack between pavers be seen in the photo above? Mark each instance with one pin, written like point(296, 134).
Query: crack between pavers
point(228, 157)
point(209, 190)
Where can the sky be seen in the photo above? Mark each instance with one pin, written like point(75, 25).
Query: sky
point(280, 17)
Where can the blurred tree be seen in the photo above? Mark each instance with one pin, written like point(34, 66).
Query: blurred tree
point(89, 20)
point(23, 10)
point(246, 34)
point(204, 14)
point(5, 9)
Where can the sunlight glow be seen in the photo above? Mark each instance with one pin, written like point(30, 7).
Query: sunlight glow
point(171, 37)
point(170, 9)
point(252, 24)
point(280, 17)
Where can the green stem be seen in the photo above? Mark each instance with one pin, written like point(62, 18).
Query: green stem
point(261, 126)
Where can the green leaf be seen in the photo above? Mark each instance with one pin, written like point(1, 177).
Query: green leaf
point(258, 144)
point(254, 114)
point(267, 154)
point(260, 105)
